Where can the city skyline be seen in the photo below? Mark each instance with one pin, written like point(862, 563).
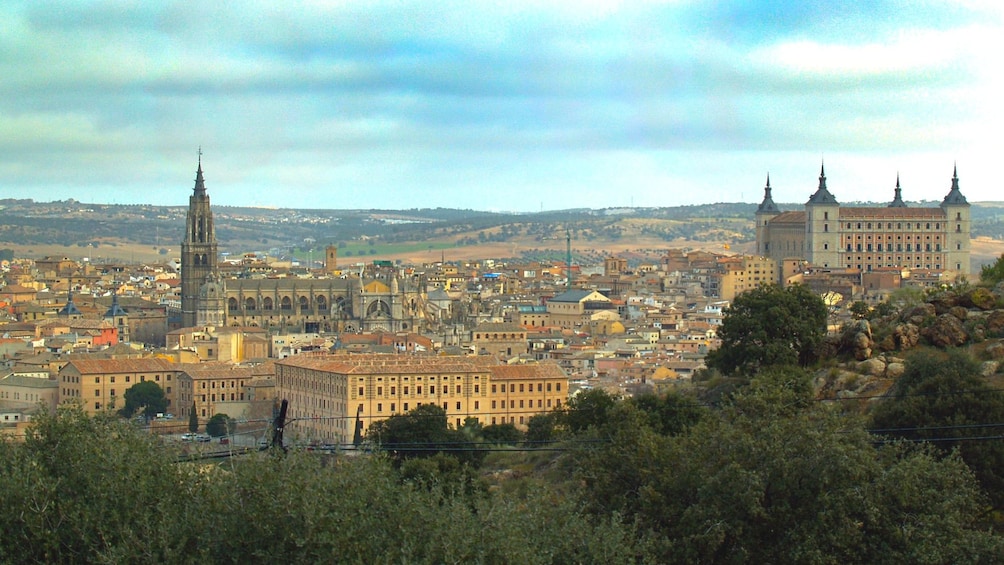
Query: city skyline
point(491, 106)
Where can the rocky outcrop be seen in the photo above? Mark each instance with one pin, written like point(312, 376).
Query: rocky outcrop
point(995, 324)
point(919, 314)
point(946, 331)
point(979, 297)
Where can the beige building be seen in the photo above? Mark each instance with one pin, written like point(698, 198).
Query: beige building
point(501, 339)
point(220, 389)
point(832, 236)
point(99, 384)
point(739, 274)
point(575, 308)
point(18, 392)
point(328, 394)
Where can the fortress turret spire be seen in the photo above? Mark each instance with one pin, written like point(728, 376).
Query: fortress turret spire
point(768, 202)
point(822, 195)
point(897, 201)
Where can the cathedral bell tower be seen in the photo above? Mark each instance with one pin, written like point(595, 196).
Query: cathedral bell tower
point(198, 249)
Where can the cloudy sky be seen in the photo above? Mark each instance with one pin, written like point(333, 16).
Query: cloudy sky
point(498, 105)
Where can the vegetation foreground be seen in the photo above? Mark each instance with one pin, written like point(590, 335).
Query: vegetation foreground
point(771, 476)
point(754, 468)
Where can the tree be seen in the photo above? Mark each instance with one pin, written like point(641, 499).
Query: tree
point(766, 480)
point(588, 409)
point(422, 432)
point(146, 395)
point(944, 400)
point(220, 425)
point(993, 273)
point(669, 414)
point(502, 434)
point(859, 309)
point(193, 420)
point(770, 325)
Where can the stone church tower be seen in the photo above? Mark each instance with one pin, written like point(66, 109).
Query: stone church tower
point(198, 250)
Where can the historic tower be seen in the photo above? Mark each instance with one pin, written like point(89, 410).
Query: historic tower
point(956, 209)
point(198, 249)
point(822, 217)
point(765, 212)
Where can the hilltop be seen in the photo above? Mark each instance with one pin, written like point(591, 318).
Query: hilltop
point(151, 233)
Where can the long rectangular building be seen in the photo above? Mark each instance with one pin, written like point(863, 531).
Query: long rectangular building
point(328, 394)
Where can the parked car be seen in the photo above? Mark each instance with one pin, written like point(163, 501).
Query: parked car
point(203, 438)
point(188, 437)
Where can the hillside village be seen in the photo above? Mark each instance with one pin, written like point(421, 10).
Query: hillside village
point(623, 330)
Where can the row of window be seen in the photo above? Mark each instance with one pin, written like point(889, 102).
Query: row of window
point(128, 378)
point(223, 397)
point(477, 405)
point(899, 247)
point(523, 387)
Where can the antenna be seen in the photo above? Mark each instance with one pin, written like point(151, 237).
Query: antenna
point(568, 256)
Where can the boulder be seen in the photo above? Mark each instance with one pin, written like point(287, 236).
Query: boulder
point(906, 336)
point(918, 314)
point(995, 323)
point(946, 331)
point(996, 350)
point(978, 297)
point(895, 370)
point(959, 312)
point(874, 367)
point(988, 368)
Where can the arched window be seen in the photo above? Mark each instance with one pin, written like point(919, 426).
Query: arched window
point(232, 305)
point(304, 304)
point(266, 303)
point(322, 302)
point(286, 303)
point(250, 304)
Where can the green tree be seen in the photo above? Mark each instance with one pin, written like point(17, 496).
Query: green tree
point(670, 413)
point(542, 428)
point(423, 432)
point(146, 396)
point(193, 420)
point(502, 434)
point(859, 309)
point(220, 425)
point(993, 273)
point(770, 325)
point(795, 483)
point(944, 400)
point(588, 409)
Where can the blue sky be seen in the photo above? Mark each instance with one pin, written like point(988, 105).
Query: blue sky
point(498, 105)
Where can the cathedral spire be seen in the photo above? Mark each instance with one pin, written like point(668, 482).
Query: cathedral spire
point(822, 195)
point(897, 201)
point(200, 182)
point(767, 206)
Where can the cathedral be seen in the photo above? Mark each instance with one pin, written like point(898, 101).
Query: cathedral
point(829, 235)
point(321, 303)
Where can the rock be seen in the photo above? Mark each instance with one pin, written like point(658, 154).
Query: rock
point(895, 370)
point(979, 297)
point(874, 367)
point(996, 350)
point(943, 302)
point(995, 323)
point(946, 331)
point(988, 368)
point(959, 312)
point(906, 336)
point(919, 314)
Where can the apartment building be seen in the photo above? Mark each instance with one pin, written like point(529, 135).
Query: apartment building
point(328, 394)
point(99, 384)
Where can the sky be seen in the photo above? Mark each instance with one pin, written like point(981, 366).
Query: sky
point(507, 106)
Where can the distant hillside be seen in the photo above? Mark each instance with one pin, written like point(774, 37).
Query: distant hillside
point(145, 232)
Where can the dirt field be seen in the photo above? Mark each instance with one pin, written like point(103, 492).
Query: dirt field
point(984, 250)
